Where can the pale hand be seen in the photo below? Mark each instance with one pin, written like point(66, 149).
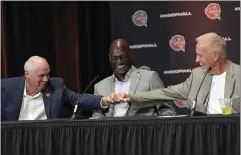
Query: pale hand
point(123, 97)
point(110, 99)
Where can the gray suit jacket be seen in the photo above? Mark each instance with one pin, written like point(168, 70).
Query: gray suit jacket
point(188, 90)
point(141, 81)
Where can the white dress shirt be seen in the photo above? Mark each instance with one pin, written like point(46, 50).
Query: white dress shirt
point(216, 92)
point(120, 109)
point(32, 107)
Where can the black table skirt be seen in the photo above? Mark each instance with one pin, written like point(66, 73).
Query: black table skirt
point(204, 135)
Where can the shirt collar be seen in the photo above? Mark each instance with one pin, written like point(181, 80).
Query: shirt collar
point(127, 76)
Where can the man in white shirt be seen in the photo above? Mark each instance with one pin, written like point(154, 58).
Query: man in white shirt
point(222, 81)
point(35, 96)
point(127, 78)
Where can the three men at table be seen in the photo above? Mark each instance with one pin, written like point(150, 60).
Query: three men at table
point(36, 96)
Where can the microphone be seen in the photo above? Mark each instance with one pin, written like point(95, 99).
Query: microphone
point(194, 103)
point(74, 116)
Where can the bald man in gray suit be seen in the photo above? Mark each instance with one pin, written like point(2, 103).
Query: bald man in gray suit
point(129, 79)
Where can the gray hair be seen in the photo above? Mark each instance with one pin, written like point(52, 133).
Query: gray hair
point(31, 62)
point(28, 66)
point(214, 41)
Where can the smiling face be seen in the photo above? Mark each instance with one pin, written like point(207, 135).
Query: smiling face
point(38, 76)
point(120, 58)
point(204, 57)
point(207, 56)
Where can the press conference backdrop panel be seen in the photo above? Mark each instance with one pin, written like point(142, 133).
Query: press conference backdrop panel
point(162, 34)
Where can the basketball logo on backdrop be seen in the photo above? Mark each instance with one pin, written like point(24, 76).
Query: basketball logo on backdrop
point(177, 43)
point(213, 11)
point(139, 18)
point(227, 39)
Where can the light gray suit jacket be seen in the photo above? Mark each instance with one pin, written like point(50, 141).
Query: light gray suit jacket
point(141, 81)
point(188, 90)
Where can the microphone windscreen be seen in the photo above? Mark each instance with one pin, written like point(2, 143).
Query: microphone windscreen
point(209, 68)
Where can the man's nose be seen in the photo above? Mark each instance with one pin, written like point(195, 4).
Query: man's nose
point(46, 78)
point(119, 60)
point(197, 59)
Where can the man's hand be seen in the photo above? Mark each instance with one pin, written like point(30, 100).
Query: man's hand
point(123, 97)
point(110, 99)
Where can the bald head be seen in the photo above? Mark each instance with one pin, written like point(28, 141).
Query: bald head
point(214, 42)
point(119, 44)
point(34, 62)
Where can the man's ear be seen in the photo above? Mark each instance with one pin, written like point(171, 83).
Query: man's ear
point(109, 58)
point(215, 56)
point(26, 73)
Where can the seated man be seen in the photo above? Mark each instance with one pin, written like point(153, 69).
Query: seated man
point(222, 80)
point(129, 79)
point(35, 96)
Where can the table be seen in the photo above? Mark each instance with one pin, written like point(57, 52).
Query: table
point(203, 135)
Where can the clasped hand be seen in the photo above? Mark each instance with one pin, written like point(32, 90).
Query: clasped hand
point(116, 98)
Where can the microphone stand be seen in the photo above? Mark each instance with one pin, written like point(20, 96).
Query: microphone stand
point(76, 116)
point(194, 103)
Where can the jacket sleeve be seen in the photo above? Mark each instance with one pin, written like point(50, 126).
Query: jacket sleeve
point(85, 101)
point(97, 113)
point(179, 91)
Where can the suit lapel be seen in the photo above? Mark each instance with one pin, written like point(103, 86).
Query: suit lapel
point(47, 104)
point(110, 86)
point(229, 81)
point(135, 78)
point(205, 89)
point(17, 92)
point(109, 89)
point(47, 96)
